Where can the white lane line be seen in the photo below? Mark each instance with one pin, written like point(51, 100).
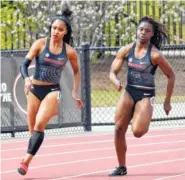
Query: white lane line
point(91, 142)
point(96, 149)
point(89, 134)
point(94, 159)
point(130, 167)
point(169, 177)
point(85, 134)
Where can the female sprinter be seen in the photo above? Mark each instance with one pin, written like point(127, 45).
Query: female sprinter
point(142, 58)
point(43, 91)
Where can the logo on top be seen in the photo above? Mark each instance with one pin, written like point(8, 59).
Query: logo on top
point(130, 59)
point(47, 55)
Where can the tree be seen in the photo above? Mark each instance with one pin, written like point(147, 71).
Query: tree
point(106, 23)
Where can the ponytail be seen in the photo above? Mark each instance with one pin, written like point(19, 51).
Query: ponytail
point(159, 31)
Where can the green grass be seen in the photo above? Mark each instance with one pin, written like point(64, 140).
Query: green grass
point(105, 98)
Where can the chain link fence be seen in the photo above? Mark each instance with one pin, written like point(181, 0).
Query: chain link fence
point(13, 99)
point(104, 97)
point(97, 92)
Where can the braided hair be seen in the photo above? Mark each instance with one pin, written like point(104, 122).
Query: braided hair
point(66, 18)
point(159, 31)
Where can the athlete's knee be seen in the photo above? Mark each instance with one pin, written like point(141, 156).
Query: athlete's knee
point(35, 142)
point(139, 132)
point(31, 131)
point(39, 127)
point(41, 122)
point(119, 130)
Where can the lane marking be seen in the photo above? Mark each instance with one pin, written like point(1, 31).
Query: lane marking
point(93, 159)
point(96, 149)
point(85, 134)
point(167, 177)
point(92, 142)
point(130, 167)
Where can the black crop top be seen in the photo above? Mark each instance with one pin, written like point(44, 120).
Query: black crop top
point(49, 66)
point(141, 71)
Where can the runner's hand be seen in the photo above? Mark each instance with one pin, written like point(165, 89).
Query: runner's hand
point(167, 107)
point(119, 86)
point(27, 86)
point(77, 99)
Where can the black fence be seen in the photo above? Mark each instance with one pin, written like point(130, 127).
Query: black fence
point(13, 99)
point(104, 96)
point(98, 94)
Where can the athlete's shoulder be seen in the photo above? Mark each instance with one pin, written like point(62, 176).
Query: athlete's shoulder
point(70, 51)
point(36, 48)
point(156, 55)
point(124, 50)
point(39, 43)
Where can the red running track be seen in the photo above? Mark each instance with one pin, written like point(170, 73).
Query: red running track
point(158, 155)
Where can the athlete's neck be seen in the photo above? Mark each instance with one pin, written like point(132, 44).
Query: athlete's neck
point(56, 44)
point(140, 45)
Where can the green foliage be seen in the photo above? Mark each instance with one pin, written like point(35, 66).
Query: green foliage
point(167, 12)
point(112, 22)
point(18, 25)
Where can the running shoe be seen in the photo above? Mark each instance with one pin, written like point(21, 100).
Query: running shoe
point(23, 168)
point(119, 171)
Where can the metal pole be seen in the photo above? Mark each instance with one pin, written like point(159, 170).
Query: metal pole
point(86, 86)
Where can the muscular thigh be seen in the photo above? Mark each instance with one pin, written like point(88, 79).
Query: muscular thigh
point(142, 114)
point(124, 110)
point(47, 109)
point(33, 104)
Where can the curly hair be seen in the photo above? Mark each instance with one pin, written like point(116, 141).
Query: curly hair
point(158, 29)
